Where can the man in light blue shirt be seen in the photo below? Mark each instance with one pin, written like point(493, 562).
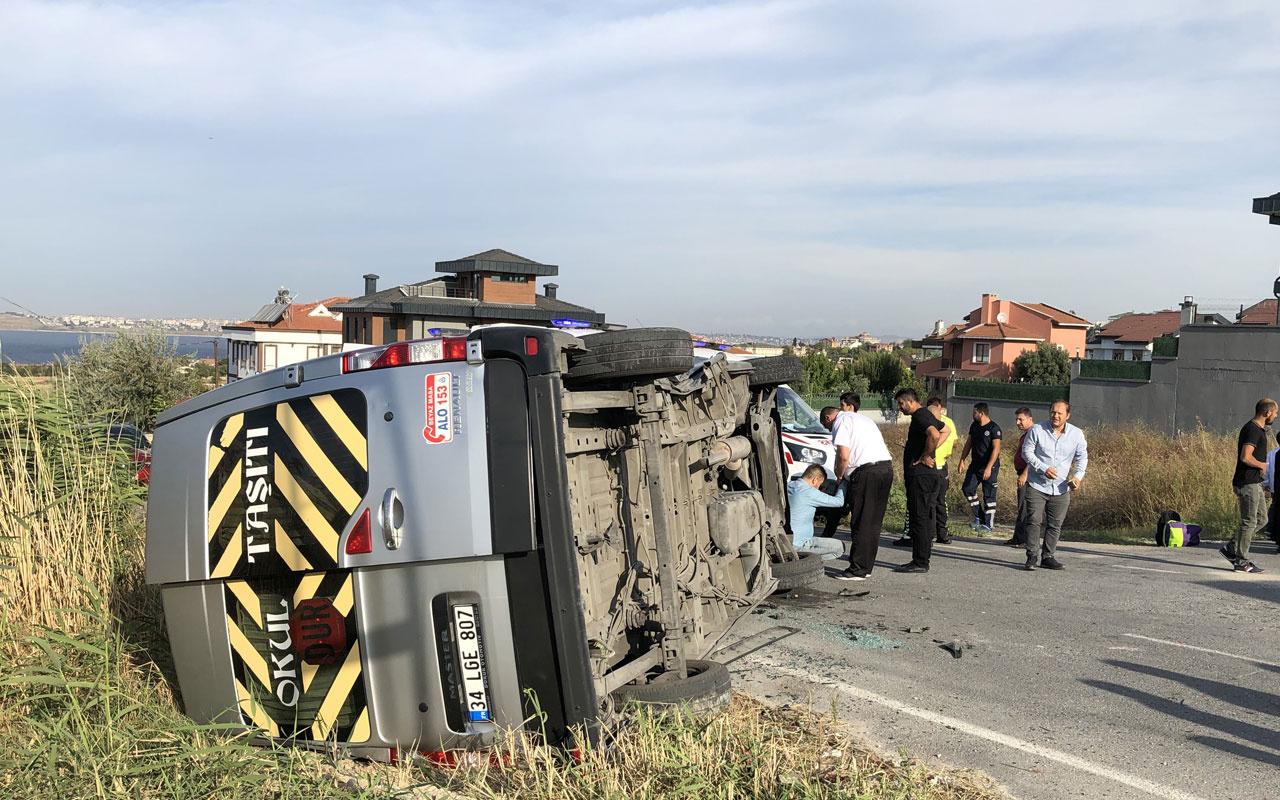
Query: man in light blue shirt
point(1050, 450)
point(804, 497)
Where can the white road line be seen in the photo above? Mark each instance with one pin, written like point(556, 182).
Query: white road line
point(1250, 659)
point(1150, 569)
point(1132, 781)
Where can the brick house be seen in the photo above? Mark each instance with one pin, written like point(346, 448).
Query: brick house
point(1130, 337)
point(490, 287)
point(993, 335)
point(282, 333)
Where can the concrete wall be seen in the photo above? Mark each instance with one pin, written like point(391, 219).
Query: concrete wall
point(960, 409)
point(1220, 373)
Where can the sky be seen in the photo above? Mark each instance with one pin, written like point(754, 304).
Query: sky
point(784, 168)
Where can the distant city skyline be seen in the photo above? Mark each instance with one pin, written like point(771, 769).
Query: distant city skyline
point(773, 166)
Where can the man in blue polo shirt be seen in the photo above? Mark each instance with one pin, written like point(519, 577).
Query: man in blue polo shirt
point(804, 496)
point(1056, 456)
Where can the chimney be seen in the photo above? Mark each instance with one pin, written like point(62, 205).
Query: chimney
point(551, 289)
point(988, 315)
point(370, 283)
point(939, 328)
point(1188, 311)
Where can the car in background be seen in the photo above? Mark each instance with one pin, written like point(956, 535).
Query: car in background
point(125, 438)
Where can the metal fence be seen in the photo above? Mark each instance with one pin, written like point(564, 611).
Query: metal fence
point(1100, 369)
point(1022, 392)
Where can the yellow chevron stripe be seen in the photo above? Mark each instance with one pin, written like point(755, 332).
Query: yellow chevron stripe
point(307, 587)
point(255, 713)
point(348, 433)
point(307, 512)
point(289, 552)
point(345, 599)
point(251, 657)
point(360, 732)
point(229, 431)
point(343, 683)
point(217, 451)
point(247, 599)
point(230, 556)
point(308, 675)
point(316, 458)
point(227, 494)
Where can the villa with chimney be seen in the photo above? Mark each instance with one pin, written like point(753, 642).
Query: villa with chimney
point(487, 288)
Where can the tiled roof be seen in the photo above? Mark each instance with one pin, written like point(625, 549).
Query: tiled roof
point(992, 331)
point(1056, 314)
point(1263, 313)
point(297, 318)
point(1142, 328)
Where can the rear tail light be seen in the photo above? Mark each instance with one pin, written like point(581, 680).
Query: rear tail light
point(400, 354)
point(361, 539)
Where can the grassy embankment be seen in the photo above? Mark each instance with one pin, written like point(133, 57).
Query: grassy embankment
point(88, 707)
point(1134, 474)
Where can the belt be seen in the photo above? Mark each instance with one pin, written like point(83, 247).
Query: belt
point(888, 462)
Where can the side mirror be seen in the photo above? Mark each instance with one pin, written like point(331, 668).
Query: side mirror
point(1275, 288)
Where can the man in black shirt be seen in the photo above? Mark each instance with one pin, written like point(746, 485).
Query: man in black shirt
point(985, 438)
point(1251, 450)
point(922, 477)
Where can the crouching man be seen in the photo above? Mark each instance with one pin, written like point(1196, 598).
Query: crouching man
point(805, 497)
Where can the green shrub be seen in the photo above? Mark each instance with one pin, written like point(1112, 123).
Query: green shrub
point(1103, 369)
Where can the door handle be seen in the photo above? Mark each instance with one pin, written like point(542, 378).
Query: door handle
point(392, 517)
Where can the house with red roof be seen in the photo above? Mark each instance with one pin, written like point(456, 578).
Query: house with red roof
point(1130, 337)
point(283, 333)
point(993, 335)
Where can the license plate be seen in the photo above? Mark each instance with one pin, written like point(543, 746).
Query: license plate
point(466, 633)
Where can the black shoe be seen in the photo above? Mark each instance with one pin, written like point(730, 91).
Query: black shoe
point(1249, 567)
point(850, 575)
point(905, 541)
point(1229, 553)
point(1015, 543)
point(1049, 562)
point(1030, 565)
point(910, 567)
point(947, 540)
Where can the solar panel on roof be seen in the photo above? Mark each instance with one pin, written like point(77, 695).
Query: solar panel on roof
point(269, 313)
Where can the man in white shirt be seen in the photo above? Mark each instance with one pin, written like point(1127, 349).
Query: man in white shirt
point(864, 462)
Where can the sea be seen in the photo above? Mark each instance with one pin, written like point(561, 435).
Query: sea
point(47, 347)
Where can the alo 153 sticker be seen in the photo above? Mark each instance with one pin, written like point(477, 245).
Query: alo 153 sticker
point(439, 428)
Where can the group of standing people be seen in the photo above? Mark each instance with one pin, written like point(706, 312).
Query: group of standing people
point(1051, 460)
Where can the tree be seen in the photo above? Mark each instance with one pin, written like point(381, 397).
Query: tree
point(131, 377)
point(1048, 364)
point(883, 370)
point(819, 372)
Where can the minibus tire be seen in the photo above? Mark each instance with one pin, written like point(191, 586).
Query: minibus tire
point(799, 574)
point(705, 692)
point(641, 352)
point(775, 370)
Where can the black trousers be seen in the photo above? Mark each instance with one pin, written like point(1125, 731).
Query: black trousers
point(867, 496)
point(922, 505)
point(1272, 514)
point(941, 513)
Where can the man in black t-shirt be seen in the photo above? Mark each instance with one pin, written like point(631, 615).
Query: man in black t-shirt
point(985, 438)
point(921, 475)
point(1251, 452)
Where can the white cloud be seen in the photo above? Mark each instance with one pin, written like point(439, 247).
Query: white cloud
point(744, 157)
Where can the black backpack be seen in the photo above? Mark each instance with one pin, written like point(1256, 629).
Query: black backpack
point(1162, 526)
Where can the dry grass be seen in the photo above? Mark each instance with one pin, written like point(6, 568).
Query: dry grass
point(750, 751)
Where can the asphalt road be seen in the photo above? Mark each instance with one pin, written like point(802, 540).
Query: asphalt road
point(1136, 672)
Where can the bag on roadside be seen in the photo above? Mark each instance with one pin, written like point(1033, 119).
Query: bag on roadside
point(1162, 527)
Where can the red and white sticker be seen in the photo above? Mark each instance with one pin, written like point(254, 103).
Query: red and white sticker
point(439, 427)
